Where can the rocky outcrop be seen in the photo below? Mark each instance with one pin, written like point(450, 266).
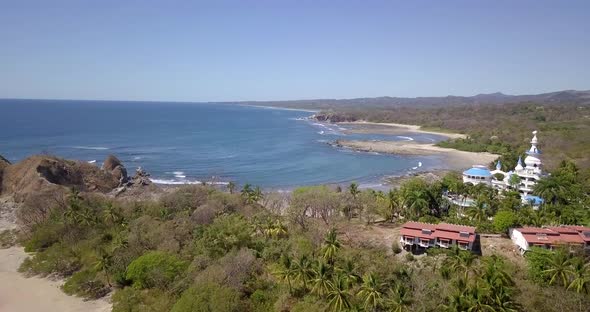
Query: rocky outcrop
point(333, 117)
point(42, 173)
point(114, 166)
point(141, 178)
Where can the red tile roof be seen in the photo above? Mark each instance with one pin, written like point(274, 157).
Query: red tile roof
point(455, 236)
point(416, 233)
point(419, 225)
point(555, 235)
point(454, 228)
point(441, 230)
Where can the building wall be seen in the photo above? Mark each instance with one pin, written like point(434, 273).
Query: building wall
point(518, 239)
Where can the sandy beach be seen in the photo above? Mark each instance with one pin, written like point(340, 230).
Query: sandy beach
point(395, 128)
point(454, 159)
point(34, 294)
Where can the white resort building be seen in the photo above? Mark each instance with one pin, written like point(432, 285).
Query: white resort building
point(523, 178)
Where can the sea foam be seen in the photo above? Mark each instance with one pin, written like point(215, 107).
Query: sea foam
point(98, 148)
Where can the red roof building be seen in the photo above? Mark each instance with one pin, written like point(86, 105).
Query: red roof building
point(550, 237)
point(425, 235)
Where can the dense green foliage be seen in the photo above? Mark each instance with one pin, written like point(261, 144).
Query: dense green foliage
point(201, 249)
point(154, 269)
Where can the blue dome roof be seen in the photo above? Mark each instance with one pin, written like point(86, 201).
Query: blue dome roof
point(535, 200)
point(478, 172)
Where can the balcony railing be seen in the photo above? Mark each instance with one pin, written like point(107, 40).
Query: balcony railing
point(423, 244)
point(443, 244)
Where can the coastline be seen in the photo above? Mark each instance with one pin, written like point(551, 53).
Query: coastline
point(403, 127)
point(453, 159)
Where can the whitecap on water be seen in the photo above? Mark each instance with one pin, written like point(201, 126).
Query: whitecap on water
point(176, 182)
point(98, 148)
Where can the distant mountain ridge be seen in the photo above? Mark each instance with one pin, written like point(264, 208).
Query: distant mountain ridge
point(569, 96)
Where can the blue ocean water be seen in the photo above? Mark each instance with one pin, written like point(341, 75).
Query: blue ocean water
point(191, 142)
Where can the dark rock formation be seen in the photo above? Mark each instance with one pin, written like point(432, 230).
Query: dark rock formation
point(333, 117)
point(110, 163)
point(114, 166)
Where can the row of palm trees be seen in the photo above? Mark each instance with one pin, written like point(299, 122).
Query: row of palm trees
point(412, 201)
point(339, 284)
point(486, 286)
point(571, 272)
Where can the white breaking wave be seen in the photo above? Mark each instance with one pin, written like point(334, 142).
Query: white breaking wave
point(136, 158)
point(321, 132)
point(98, 148)
point(92, 161)
point(419, 164)
point(405, 138)
point(175, 182)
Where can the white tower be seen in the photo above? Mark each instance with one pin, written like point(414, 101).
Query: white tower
point(531, 172)
point(533, 158)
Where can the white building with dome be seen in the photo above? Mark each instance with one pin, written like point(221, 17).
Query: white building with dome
point(528, 174)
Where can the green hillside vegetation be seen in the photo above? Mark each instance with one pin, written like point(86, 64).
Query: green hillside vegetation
point(202, 249)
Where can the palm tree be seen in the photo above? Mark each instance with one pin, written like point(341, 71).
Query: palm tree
point(495, 275)
point(348, 272)
point(353, 189)
point(257, 194)
point(479, 300)
point(303, 270)
point(103, 264)
point(416, 202)
point(579, 272)
point(338, 296)
point(370, 292)
point(280, 230)
point(246, 191)
point(399, 298)
point(478, 211)
point(456, 302)
point(502, 302)
point(394, 203)
point(460, 261)
point(110, 213)
point(231, 187)
point(551, 189)
point(87, 217)
point(286, 272)
point(321, 282)
point(331, 246)
point(558, 267)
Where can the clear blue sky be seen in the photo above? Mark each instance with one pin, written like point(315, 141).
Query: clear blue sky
point(274, 50)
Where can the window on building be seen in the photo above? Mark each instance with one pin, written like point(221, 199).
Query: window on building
point(426, 231)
